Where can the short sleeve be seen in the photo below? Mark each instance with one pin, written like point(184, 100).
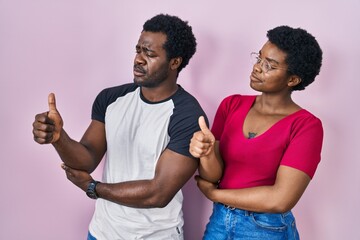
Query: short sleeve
point(304, 150)
point(234, 103)
point(219, 119)
point(99, 107)
point(184, 123)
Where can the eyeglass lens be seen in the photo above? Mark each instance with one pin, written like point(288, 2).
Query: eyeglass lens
point(264, 64)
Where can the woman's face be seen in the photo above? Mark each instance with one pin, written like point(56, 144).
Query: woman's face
point(270, 73)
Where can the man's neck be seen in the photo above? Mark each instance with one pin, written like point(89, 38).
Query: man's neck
point(160, 93)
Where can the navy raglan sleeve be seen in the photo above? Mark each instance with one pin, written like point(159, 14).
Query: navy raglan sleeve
point(184, 123)
point(99, 107)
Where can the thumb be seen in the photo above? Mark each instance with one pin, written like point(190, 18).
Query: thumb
point(203, 126)
point(54, 115)
point(52, 102)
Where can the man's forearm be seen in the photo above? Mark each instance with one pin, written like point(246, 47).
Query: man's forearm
point(74, 154)
point(138, 194)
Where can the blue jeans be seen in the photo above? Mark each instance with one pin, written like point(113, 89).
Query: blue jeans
point(90, 237)
point(228, 223)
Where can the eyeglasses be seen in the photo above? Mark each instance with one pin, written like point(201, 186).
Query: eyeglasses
point(264, 64)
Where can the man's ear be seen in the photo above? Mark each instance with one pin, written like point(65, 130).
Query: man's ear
point(294, 80)
point(175, 63)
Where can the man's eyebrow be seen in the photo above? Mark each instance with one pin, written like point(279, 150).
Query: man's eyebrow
point(148, 49)
point(144, 48)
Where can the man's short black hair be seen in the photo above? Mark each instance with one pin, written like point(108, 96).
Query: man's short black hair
point(180, 41)
point(304, 55)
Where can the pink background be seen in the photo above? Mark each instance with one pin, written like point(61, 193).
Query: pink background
point(75, 48)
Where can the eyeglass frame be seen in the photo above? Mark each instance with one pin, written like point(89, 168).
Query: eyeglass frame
point(261, 61)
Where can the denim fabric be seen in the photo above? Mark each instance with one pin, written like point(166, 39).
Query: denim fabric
point(228, 223)
point(90, 237)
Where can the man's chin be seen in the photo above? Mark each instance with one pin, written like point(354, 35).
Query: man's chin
point(144, 84)
point(138, 81)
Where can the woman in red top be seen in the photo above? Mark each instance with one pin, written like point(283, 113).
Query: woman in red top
point(262, 151)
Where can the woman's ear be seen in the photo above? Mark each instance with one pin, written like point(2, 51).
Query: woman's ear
point(294, 80)
point(175, 63)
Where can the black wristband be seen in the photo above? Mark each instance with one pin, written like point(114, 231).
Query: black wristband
point(91, 190)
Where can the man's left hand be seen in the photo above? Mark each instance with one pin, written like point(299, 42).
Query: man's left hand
point(77, 177)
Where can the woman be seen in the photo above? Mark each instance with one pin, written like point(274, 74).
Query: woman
point(262, 151)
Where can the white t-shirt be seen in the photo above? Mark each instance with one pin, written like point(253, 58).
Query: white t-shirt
point(137, 132)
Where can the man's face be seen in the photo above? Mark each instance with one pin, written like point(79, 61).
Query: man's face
point(151, 66)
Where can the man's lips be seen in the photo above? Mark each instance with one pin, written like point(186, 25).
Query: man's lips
point(139, 71)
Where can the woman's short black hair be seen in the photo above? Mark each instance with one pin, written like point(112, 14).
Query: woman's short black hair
point(304, 55)
point(180, 41)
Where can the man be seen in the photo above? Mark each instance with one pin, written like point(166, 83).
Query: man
point(145, 129)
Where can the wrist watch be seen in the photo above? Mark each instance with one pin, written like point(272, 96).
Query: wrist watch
point(91, 190)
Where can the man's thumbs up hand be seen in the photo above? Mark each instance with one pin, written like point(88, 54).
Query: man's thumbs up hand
point(47, 126)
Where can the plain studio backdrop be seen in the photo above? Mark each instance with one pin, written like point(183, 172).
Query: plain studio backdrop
point(75, 48)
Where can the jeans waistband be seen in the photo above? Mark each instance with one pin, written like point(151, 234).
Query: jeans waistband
point(237, 210)
point(249, 213)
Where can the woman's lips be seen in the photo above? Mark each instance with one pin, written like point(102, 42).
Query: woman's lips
point(253, 78)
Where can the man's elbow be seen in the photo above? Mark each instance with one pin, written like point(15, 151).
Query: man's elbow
point(158, 201)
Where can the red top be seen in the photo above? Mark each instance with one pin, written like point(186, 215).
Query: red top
point(294, 141)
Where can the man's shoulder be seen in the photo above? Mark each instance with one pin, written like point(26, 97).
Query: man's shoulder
point(120, 89)
point(187, 106)
point(110, 94)
point(184, 98)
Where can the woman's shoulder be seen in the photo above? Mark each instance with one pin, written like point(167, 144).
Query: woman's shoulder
point(304, 119)
point(305, 114)
point(235, 98)
point(237, 101)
